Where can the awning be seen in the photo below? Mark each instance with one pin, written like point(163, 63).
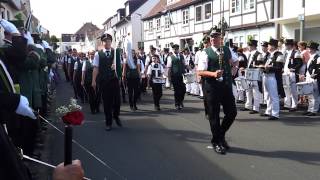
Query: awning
point(289, 20)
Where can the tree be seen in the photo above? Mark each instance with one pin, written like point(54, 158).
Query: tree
point(54, 39)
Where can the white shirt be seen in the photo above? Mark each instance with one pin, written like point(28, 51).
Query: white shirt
point(151, 67)
point(310, 61)
point(287, 60)
point(197, 57)
point(234, 55)
point(203, 61)
point(251, 57)
point(76, 65)
point(84, 65)
point(169, 62)
point(141, 66)
point(96, 57)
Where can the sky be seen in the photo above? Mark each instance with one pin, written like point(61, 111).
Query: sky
point(67, 16)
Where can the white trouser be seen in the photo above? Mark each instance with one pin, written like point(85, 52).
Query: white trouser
point(240, 96)
point(291, 99)
point(273, 104)
point(234, 91)
point(200, 89)
point(265, 93)
point(314, 98)
point(254, 94)
point(188, 87)
point(195, 89)
point(240, 93)
point(168, 84)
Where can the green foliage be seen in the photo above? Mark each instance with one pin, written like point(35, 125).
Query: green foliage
point(18, 16)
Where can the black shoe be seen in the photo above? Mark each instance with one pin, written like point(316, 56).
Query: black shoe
point(135, 107)
point(311, 114)
point(263, 105)
point(253, 112)
point(244, 109)
point(265, 115)
point(118, 122)
point(219, 149)
point(272, 118)
point(177, 107)
point(225, 145)
point(284, 108)
point(108, 128)
point(181, 105)
point(293, 110)
point(240, 102)
point(157, 108)
point(306, 113)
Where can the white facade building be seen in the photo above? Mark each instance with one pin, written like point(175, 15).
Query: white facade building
point(190, 19)
point(290, 23)
point(128, 22)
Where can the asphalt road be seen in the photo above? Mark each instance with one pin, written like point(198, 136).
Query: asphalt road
point(173, 145)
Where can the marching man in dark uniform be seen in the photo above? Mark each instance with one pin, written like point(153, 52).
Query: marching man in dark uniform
point(86, 81)
point(265, 57)
point(104, 73)
point(176, 68)
point(293, 63)
point(313, 76)
point(255, 87)
point(217, 78)
point(273, 80)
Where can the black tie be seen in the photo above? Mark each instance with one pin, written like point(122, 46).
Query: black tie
point(108, 53)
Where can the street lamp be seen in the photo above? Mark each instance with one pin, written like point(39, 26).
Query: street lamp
point(301, 18)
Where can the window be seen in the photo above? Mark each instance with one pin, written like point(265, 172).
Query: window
point(207, 11)
point(198, 13)
point(248, 5)
point(235, 6)
point(255, 37)
point(167, 22)
point(150, 25)
point(167, 45)
point(158, 21)
point(241, 41)
point(235, 41)
point(185, 17)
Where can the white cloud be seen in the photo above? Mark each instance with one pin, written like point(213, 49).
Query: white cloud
point(67, 16)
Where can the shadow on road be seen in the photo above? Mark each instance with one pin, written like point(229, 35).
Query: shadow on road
point(311, 158)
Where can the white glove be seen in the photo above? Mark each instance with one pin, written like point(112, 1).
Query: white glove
point(9, 27)
point(29, 38)
point(24, 109)
point(45, 44)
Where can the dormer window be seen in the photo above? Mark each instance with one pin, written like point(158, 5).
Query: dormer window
point(170, 2)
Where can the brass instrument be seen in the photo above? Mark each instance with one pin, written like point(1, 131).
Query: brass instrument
point(221, 54)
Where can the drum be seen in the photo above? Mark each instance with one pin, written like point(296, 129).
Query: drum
point(286, 80)
point(159, 80)
point(189, 78)
point(241, 83)
point(253, 74)
point(305, 88)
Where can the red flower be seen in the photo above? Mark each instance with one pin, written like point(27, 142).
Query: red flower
point(73, 118)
